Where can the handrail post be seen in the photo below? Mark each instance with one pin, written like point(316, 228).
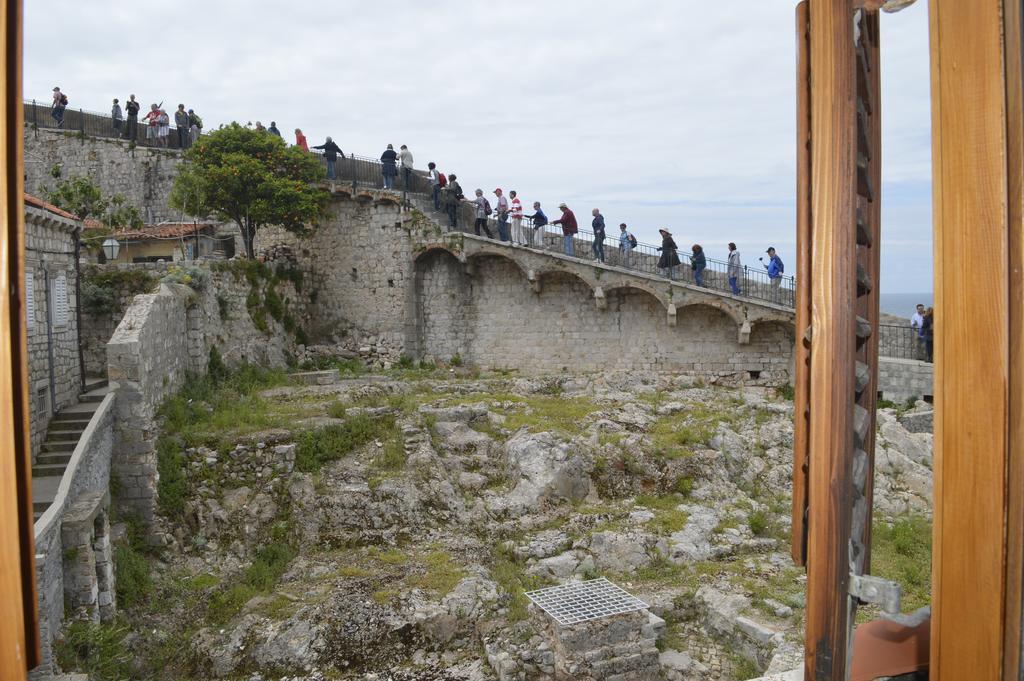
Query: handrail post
point(81, 125)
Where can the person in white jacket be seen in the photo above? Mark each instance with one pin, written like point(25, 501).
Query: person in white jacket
point(735, 269)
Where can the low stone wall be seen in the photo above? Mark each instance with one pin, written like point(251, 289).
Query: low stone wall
point(901, 379)
point(88, 472)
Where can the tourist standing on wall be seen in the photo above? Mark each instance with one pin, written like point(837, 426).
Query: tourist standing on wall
point(163, 130)
point(502, 208)
point(116, 117)
point(452, 198)
point(569, 227)
point(435, 184)
point(388, 168)
point(300, 140)
point(918, 324)
point(131, 129)
point(627, 242)
point(195, 126)
point(598, 225)
point(775, 269)
point(669, 260)
point(182, 123)
point(483, 209)
point(735, 270)
point(152, 121)
point(60, 102)
point(331, 152)
point(516, 213)
point(405, 156)
point(259, 127)
point(273, 129)
point(540, 221)
point(698, 263)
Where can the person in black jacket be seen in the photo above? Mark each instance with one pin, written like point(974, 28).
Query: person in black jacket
point(331, 152)
point(131, 128)
point(669, 260)
point(698, 262)
point(389, 167)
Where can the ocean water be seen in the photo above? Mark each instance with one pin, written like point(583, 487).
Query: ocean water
point(903, 304)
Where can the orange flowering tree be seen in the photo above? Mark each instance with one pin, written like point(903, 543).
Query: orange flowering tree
point(250, 178)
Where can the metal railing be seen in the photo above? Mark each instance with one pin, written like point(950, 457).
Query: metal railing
point(366, 172)
point(901, 342)
point(96, 124)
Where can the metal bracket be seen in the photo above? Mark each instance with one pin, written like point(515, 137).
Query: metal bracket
point(887, 595)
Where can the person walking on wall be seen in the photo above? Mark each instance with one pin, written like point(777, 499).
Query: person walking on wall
point(60, 103)
point(519, 236)
point(483, 210)
point(569, 227)
point(669, 260)
point(598, 226)
point(406, 160)
point(300, 140)
point(452, 200)
point(698, 263)
point(181, 121)
point(436, 183)
point(273, 129)
point(502, 208)
point(735, 269)
point(389, 167)
point(131, 126)
point(331, 152)
point(163, 128)
point(116, 117)
point(540, 221)
point(627, 242)
point(195, 126)
point(775, 270)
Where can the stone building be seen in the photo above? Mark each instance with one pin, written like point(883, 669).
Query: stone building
point(168, 241)
point(55, 374)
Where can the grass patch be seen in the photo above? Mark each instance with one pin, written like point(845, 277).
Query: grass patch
point(95, 649)
point(537, 413)
point(758, 523)
point(259, 578)
point(902, 552)
point(318, 447)
point(511, 577)
point(667, 518)
point(675, 436)
point(442, 573)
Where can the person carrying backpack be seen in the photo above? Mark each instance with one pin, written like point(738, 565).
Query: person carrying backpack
point(483, 210)
point(627, 242)
point(452, 195)
point(775, 271)
point(60, 102)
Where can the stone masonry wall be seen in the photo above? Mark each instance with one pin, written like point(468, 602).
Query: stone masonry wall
point(143, 175)
point(493, 319)
point(358, 262)
point(901, 379)
point(54, 367)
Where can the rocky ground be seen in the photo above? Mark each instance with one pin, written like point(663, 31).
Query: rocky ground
point(386, 526)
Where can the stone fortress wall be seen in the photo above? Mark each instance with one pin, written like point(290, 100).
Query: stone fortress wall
point(144, 176)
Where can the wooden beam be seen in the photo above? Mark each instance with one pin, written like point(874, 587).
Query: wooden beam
point(833, 224)
point(972, 372)
point(18, 624)
point(802, 351)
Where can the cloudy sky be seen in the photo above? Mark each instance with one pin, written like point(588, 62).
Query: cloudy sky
point(675, 113)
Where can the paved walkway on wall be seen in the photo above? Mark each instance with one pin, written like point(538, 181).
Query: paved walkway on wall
point(62, 436)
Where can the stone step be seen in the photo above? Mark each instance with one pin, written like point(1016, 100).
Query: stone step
point(77, 412)
point(59, 447)
point(66, 430)
point(45, 459)
point(44, 490)
point(92, 397)
point(48, 469)
point(94, 382)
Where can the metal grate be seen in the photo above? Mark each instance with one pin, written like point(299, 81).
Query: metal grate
point(584, 601)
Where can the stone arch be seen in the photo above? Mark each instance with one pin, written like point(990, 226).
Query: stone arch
point(540, 275)
point(472, 258)
point(763, 327)
point(433, 249)
point(734, 313)
point(767, 315)
point(638, 286)
point(439, 299)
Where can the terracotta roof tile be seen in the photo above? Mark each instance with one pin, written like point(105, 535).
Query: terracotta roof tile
point(39, 203)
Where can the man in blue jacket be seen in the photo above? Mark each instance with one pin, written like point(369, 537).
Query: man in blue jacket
point(775, 271)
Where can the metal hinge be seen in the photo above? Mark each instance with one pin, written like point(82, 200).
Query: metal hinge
point(887, 595)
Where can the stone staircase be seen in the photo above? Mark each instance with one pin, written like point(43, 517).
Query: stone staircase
point(66, 427)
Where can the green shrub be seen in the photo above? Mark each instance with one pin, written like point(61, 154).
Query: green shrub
point(405, 362)
point(758, 523)
point(683, 485)
point(786, 392)
point(317, 447)
point(456, 360)
point(98, 650)
point(272, 301)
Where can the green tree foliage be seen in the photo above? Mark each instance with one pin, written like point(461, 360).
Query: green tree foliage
point(81, 196)
point(252, 179)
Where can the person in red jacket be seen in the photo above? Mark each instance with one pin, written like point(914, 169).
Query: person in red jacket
point(569, 228)
point(300, 140)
